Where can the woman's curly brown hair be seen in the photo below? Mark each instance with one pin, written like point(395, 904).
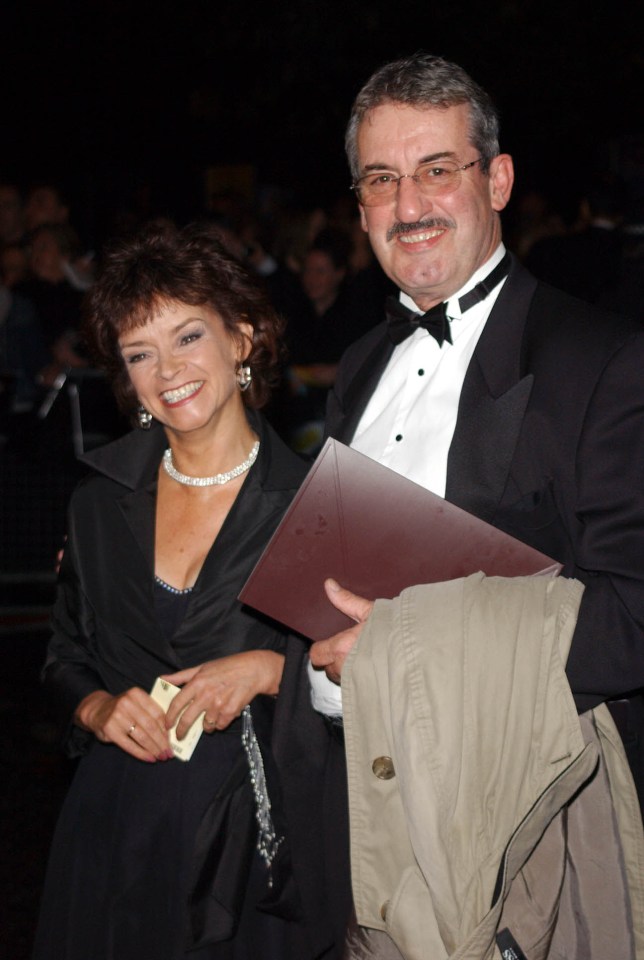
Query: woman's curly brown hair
point(162, 265)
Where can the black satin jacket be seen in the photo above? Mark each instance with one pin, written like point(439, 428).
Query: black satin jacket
point(105, 631)
point(106, 635)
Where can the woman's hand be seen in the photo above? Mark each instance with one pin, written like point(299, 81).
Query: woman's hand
point(131, 720)
point(222, 688)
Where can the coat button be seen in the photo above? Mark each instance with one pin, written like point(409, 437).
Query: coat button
point(383, 767)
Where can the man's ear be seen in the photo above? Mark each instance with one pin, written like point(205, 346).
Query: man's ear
point(363, 219)
point(501, 180)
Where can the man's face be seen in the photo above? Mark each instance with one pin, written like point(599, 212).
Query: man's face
point(430, 246)
point(44, 206)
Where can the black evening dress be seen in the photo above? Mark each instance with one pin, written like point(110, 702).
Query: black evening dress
point(159, 860)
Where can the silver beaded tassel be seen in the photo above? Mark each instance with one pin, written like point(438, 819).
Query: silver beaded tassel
point(267, 840)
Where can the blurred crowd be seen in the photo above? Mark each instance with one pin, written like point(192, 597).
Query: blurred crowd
point(319, 270)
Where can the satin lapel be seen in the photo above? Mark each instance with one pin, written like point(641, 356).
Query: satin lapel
point(248, 513)
point(362, 387)
point(265, 494)
point(138, 509)
point(252, 519)
point(137, 599)
point(492, 404)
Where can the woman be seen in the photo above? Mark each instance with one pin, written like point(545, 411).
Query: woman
point(155, 857)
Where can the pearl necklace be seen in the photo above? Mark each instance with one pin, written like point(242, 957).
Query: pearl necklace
point(217, 480)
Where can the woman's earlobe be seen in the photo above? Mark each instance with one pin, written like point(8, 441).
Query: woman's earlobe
point(246, 332)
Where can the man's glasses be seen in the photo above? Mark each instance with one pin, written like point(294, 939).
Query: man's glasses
point(433, 180)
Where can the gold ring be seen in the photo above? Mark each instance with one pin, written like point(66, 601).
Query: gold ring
point(131, 730)
point(209, 722)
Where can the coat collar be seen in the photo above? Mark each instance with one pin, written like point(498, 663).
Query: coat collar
point(133, 460)
point(499, 352)
point(493, 403)
point(363, 385)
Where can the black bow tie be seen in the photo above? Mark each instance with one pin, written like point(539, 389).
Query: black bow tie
point(402, 322)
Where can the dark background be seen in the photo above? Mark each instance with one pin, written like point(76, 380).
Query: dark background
point(127, 103)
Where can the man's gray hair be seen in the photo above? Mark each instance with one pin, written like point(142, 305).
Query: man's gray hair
point(423, 80)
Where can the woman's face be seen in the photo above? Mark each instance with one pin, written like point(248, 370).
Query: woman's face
point(183, 366)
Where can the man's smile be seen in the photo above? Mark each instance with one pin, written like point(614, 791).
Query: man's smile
point(417, 237)
point(419, 231)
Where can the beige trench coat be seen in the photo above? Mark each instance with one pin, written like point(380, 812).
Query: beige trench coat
point(479, 802)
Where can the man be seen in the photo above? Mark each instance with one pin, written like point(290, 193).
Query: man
point(521, 405)
point(45, 204)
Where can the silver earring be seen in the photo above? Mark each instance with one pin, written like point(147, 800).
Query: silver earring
point(144, 418)
point(244, 377)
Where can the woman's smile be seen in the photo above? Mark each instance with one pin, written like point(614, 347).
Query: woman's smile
point(173, 398)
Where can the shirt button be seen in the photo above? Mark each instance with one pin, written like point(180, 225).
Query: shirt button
point(383, 768)
point(399, 437)
point(421, 373)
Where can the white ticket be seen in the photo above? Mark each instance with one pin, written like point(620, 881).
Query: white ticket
point(163, 692)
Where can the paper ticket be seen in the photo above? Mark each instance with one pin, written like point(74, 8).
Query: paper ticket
point(163, 692)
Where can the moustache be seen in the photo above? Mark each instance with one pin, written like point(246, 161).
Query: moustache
point(429, 224)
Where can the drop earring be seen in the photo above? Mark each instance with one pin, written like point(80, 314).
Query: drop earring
point(244, 377)
point(144, 417)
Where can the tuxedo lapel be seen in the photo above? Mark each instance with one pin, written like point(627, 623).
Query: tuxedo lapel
point(492, 403)
point(361, 388)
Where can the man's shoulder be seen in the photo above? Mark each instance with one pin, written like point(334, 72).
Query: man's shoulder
point(569, 344)
point(559, 316)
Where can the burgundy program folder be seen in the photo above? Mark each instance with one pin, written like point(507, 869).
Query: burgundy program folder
point(375, 532)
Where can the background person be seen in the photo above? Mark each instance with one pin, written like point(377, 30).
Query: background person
point(321, 323)
point(57, 301)
point(586, 260)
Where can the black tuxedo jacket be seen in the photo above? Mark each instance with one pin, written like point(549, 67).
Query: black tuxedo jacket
point(549, 446)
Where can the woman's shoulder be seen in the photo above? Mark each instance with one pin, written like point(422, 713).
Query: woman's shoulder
point(131, 459)
point(124, 465)
point(282, 467)
point(92, 496)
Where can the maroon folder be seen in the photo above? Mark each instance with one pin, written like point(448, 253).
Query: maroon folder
point(375, 532)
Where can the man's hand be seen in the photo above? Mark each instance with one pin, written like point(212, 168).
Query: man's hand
point(332, 653)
